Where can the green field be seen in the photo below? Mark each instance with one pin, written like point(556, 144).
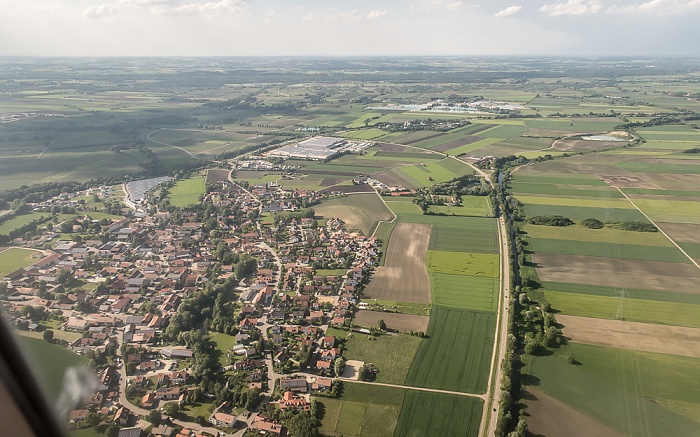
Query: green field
point(626, 411)
point(330, 272)
point(474, 206)
point(402, 207)
point(461, 263)
point(635, 310)
point(556, 189)
point(457, 353)
point(186, 192)
point(594, 290)
point(21, 220)
point(15, 258)
point(420, 174)
point(392, 354)
point(224, 343)
point(50, 362)
point(672, 211)
point(581, 212)
point(609, 250)
point(650, 376)
point(605, 235)
point(435, 414)
point(363, 410)
point(467, 292)
point(359, 211)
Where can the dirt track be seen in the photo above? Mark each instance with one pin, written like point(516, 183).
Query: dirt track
point(404, 276)
point(552, 418)
point(644, 337)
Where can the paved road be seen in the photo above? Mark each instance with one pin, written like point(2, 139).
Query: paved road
point(409, 387)
point(143, 412)
point(493, 392)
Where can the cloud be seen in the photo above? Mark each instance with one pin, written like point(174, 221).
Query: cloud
point(209, 9)
point(660, 7)
point(333, 15)
point(433, 5)
point(373, 15)
point(510, 10)
point(572, 7)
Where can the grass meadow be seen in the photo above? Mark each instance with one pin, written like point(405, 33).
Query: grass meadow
point(186, 192)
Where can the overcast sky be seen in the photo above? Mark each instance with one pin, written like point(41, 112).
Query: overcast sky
point(351, 27)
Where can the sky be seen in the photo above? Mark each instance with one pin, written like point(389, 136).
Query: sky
point(349, 27)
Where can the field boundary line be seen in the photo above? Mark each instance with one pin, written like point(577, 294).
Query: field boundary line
point(659, 228)
point(410, 387)
point(148, 137)
point(383, 221)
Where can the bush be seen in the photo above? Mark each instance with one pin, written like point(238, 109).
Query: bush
point(592, 223)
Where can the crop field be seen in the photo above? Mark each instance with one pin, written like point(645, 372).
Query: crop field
point(608, 250)
point(634, 336)
point(187, 191)
point(403, 277)
point(673, 211)
point(637, 310)
point(49, 362)
point(467, 292)
point(216, 175)
point(475, 235)
point(457, 353)
point(363, 410)
point(358, 211)
point(551, 417)
point(13, 259)
point(392, 354)
point(627, 412)
point(425, 413)
point(463, 263)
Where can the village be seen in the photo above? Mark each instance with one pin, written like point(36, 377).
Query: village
point(150, 300)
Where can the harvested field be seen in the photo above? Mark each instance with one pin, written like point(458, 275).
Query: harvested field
point(682, 231)
point(584, 145)
point(619, 273)
point(217, 175)
point(457, 143)
point(552, 418)
point(675, 340)
point(426, 137)
point(627, 181)
point(404, 276)
point(402, 322)
point(361, 188)
point(327, 182)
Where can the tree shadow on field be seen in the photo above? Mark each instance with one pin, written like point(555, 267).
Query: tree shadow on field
point(530, 380)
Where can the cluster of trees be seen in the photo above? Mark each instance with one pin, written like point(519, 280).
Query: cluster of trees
point(467, 185)
point(550, 220)
point(693, 150)
point(592, 223)
point(638, 227)
point(286, 217)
